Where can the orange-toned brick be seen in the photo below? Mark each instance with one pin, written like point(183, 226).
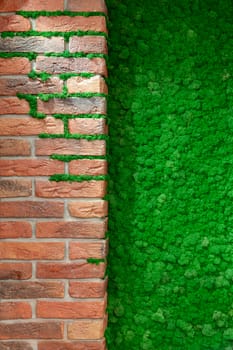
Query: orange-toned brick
point(14, 310)
point(85, 250)
point(88, 209)
point(14, 23)
point(67, 24)
point(31, 250)
point(15, 65)
point(13, 105)
point(15, 188)
point(87, 167)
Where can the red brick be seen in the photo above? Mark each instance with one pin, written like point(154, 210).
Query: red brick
point(37, 44)
point(31, 209)
point(88, 209)
point(31, 5)
point(88, 289)
point(67, 309)
point(88, 126)
point(27, 126)
point(15, 345)
point(15, 188)
point(31, 290)
point(87, 167)
point(74, 270)
point(85, 250)
point(75, 345)
point(57, 65)
point(64, 189)
point(32, 330)
point(14, 23)
point(83, 147)
point(86, 329)
point(13, 105)
point(87, 5)
point(12, 147)
point(12, 310)
point(67, 23)
point(88, 44)
point(15, 65)
point(14, 85)
point(73, 105)
point(30, 167)
point(15, 229)
point(31, 250)
point(81, 84)
point(71, 229)
point(15, 271)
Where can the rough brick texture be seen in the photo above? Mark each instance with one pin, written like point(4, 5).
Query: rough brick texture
point(53, 243)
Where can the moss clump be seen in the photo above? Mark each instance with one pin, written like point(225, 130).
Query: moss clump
point(69, 158)
point(30, 55)
point(170, 189)
point(77, 178)
point(50, 34)
point(36, 14)
point(95, 261)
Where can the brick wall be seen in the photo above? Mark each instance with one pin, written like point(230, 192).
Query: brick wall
point(53, 174)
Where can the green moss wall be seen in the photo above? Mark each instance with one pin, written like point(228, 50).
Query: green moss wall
point(171, 175)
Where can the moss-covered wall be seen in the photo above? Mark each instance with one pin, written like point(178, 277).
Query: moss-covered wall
point(171, 177)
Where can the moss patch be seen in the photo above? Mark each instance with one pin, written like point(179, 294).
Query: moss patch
point(170, 189)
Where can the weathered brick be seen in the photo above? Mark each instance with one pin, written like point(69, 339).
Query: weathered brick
point(67, 23)
point(31, 209)
point(31, 290)
point(15, 188)
point(86, 329)
point(87, 5)
point(74, 345)
point(32, 250)
point(15, 271)
point(88, 44)
point(35, 44)
point(81, 84)
point(12, 147)
point(88, 209)
point(32, 330)
point(15, 65)
point(64, 189)
point(31, 5)
point(14, 85)
point(71, 229)
point(67, 309)
point(15, 345)
point(87, 167)
point(27, 126)
point(70, 270)
point(30, 167)
point(14, 310)
point(57, 65)
point(13, 105)
point(73, 105)
point(14, 23)
point(15, 229)
point(85, 250)
point(46, 147)
point(88, 126)
point(88, 289)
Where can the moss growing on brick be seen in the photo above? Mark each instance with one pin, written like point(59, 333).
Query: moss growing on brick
point(30, 55)
point(170, 189)
point(77, 178)
point(36, 14)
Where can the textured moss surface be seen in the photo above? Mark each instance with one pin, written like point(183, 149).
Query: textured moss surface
point(171, 179)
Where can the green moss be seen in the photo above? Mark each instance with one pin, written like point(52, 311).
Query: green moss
point(65, 94)
point(50, 34)
point(170, 188)
point(73, 116)
point(67, 54)
point(95, 261)
point(65, 76)
point(30, 55)
point(42, 76)
point(77, 178)
point(32, 100)
point(69, 158)
point(75, 136)
point(36, 14)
